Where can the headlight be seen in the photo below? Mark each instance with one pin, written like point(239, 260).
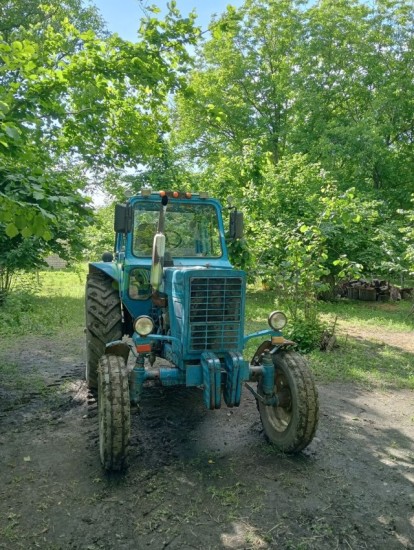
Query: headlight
point(144, 325)
point(277, 320)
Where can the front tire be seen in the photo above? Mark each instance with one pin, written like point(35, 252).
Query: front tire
point(291, 425)
point(113, 412)
point(103, 321)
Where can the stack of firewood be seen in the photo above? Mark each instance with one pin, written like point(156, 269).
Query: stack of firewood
point(375, 290)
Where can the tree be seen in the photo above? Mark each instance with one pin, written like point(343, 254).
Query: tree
point(100, 236)
point(354, 94)
point(331, 79)
point(240, 92)
point(74, 100)
point(286, 90)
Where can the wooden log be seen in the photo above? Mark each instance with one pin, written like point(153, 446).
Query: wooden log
point(368, 294)
point(353, 293)
point(407, 293)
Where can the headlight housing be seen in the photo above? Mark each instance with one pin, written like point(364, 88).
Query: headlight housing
point(144, 325)
point(277, 320)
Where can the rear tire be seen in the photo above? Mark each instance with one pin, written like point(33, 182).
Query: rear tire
point(292, 425)
point(103, 321)
point(113, 412)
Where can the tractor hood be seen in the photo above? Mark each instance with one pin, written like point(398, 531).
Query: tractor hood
point(206, 308)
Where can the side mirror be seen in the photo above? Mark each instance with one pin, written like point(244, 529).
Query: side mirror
point(236, 224)
point(122, 218)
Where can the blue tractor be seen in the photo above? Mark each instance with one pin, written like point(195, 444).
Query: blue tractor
point(170, 292)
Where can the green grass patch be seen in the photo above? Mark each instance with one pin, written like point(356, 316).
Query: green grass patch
point(12, 379)
point(368, 363)
point(363, 361)
point(55, 304)
point(388, 315)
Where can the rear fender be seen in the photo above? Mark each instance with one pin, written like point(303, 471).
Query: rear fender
point(114, 272)
point(109, 268)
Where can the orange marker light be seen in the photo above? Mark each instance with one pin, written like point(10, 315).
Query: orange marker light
point(176, 194)
point(188, 195)
point(143, 348)
point(162, 193)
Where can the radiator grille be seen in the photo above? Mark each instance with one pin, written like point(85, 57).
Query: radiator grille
point(215, 313)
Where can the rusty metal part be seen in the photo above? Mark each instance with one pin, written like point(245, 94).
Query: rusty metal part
point(264, 346)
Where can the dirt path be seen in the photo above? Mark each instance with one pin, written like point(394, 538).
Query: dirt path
point(197, 479)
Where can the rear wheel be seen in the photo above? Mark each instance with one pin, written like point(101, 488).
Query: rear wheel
point(103, 321)
point(113, 412)
point(291, 425)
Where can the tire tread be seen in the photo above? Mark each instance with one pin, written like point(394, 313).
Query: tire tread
point(103, 321)
point(113, 412)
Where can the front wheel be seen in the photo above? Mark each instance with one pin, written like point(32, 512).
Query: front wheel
point(113, 412)
point(291, 425)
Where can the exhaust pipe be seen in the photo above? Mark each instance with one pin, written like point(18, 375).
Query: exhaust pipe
point(158, 250)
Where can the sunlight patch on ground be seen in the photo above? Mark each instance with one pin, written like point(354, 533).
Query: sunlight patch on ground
point(244, 534)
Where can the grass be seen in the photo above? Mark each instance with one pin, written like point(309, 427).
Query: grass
point(12, 380)
point(57, 308)
point(384, 316)
point(368, 360)
point(53, 303)
point(44, 307)
point(368, 363)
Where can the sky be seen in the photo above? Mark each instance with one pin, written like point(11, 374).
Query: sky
point(122, 16)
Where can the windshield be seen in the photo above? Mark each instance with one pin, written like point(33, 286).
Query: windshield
point(191, 230)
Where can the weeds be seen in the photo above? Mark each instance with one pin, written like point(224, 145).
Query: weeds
point(228, 496)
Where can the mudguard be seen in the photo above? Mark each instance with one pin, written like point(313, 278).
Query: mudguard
point(118, 348)
point(109, 268)
point(273, 345)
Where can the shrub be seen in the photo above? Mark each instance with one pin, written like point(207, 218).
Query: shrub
point(306, 333)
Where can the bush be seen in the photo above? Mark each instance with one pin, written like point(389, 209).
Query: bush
point(307, 334)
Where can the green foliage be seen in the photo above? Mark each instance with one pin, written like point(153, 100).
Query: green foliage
point(240, 255)
point(303, 113)
point(64, 91)
point(306, 234)
point(16, 255)
point(307, 333)
point(100, 236)
point(407, 232)
point(74, 101)
point(331, 80)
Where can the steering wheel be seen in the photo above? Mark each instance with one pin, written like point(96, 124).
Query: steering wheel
point(173, 239)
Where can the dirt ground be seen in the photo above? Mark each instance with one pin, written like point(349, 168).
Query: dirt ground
point(197, 479)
